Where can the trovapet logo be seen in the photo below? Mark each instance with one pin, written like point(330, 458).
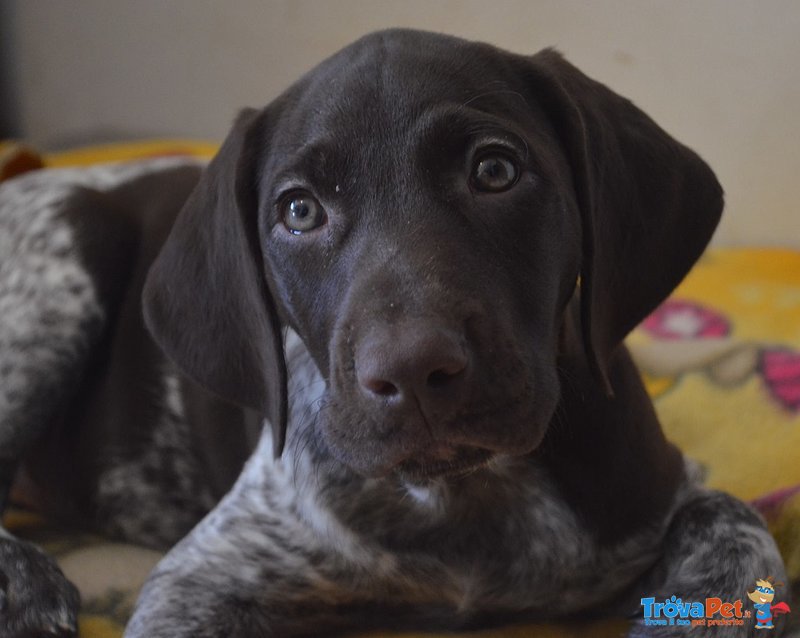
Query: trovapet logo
point(710, 612)
point(713, 611)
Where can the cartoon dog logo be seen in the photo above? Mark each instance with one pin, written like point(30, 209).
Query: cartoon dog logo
point(762, 597)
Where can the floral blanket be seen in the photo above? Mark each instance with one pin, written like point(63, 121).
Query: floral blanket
point(721, 358)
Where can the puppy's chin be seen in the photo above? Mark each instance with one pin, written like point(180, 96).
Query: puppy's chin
point(444, 461)
point(473, 447)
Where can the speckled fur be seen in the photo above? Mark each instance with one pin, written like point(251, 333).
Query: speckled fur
point(155, 496)
point(715, 546)
point(50, 319)
point(49, 312)
point(299, 541)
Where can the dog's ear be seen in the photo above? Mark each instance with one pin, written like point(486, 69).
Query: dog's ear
point(648, 204)
point(206, 300)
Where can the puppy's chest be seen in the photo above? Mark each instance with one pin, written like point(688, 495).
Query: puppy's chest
point(483, 543)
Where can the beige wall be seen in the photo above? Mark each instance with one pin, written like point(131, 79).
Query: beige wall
point(721, 75)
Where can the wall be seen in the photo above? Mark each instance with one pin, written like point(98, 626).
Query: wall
point(721, 75)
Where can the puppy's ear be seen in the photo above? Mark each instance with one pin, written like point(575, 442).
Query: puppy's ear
point(648, 204)
point(206, 300)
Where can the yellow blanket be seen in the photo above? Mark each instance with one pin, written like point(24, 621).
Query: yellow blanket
point(721, 358)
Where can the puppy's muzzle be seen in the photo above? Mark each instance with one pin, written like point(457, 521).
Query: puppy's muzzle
point(419, 373)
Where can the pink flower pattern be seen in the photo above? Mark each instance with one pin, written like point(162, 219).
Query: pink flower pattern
point(678, 319)
point(778, 366)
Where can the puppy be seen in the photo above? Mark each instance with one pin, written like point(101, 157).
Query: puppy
point(415, 268)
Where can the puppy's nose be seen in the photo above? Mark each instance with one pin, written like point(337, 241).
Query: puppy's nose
point(412, 361)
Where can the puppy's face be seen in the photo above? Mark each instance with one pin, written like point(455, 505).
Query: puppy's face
point(418, 209)
point(414, 225)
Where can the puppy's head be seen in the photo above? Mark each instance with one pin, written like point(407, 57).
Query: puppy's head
point(420, 209)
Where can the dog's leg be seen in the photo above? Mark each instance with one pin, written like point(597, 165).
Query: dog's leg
point(51, 314)
point(242, 572)
point(716, 547)
point(271, 560)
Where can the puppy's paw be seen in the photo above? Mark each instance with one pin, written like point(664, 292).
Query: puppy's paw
point(35, 597)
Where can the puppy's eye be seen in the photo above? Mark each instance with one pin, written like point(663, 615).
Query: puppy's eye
point(302, 213)
point(494, 173)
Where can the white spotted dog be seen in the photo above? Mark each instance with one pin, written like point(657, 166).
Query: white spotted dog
point(67, 261)
point(377, 379)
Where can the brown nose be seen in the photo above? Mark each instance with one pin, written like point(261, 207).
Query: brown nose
point(412, 364)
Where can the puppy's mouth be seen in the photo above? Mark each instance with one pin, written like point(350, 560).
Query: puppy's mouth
point(444, 462)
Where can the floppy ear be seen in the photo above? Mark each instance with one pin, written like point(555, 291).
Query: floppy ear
point(648, 204)
point(206, 300)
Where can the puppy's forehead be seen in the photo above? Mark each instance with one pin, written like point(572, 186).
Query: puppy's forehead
point(383, 84)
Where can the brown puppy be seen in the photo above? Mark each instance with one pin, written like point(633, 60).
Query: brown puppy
point(422, 258)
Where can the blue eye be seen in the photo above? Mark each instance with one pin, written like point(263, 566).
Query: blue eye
point(301, 213)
